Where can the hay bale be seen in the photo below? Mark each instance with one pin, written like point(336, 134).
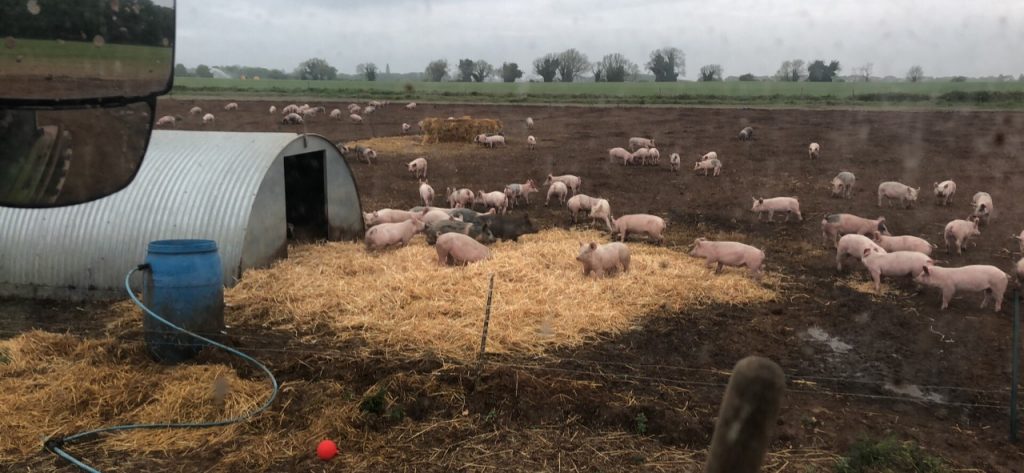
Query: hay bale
point(402, 301)
point(463, 129)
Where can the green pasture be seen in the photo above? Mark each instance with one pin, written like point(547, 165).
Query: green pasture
point(81, 58)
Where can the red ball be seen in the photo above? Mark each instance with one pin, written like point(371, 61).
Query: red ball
point(326, 450)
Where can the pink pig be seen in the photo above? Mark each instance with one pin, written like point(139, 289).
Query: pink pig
point(456, 248)
point(388, 234)
point(651, 226)
point(976, 278)
point(897, 263)
point(603, 259)
point(729, 253)
point(853, 246)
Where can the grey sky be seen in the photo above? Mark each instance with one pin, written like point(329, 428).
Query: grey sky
point(946, 37)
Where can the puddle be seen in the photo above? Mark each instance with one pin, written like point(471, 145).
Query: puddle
point(819, 335)
point(914, 391)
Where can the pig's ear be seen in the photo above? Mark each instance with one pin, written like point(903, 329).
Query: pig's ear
point(867, 251)
point(881, 219)
point(593, 246)
point(753, 199)
point(924, 269)
point(761, 200)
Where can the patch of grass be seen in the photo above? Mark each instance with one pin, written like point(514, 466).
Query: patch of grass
point(889, 456)
point(5, 357)
point(375, 403)
point(640, 424)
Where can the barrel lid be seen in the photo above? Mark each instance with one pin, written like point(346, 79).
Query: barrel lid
point(178, 247)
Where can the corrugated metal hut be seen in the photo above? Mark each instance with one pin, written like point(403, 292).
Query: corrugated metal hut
point(239, 189)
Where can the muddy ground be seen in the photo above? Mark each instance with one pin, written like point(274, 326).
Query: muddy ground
point(840, 347)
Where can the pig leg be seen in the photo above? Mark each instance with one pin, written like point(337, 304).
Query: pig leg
point(799, 217)
point(986, 294)
point(624, 260)
point(997, 296)
point(771, 216)
point(947, 295)
point(622, 235)
point(877, 276)
point(839, 261)
point(718, 268)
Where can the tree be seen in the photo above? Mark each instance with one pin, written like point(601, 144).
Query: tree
point(368, 69)
point(748, 77)
point(598, 69)
point(819, 72)
point(864, 72)
point(203, 70)
point(437, 70)
point(915, 74)
point(572, 63)
point(790, 71)
point(316, 69)
point(958, 79)
point(1020, 78)
point(466, 70)
point(510, 71)
point(615, 67)
point(664, 63)
point(547, 66)
point(711, 72)
point(180, 70)
point(482, 70)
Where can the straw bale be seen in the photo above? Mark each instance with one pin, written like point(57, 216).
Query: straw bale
point(404, 301)
point(462, 129)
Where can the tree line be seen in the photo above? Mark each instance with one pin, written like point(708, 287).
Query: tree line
point(665, 64)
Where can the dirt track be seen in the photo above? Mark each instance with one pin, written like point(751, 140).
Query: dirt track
point(961, 354)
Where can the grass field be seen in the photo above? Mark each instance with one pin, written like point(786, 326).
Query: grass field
point(929, 94)
point(80, 58)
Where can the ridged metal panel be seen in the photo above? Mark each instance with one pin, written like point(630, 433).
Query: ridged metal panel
point(191, 185)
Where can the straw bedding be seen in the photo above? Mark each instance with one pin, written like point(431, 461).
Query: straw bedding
point(461, 129)
point(404, 300)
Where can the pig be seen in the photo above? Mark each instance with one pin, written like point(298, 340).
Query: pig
point(982, 203)
point(709, 156)
point(531, 142)
point(603, 260)
point(842, 184)
point(640, 142)
point(386, 216)
point(509, 227)
point(458, 249)
point(835, 225)
point(729, 253)
point(975, 278)
point(620, 153)
point(814, 150)
point(195, 111)
point(291, 108)
point(388, 234)
point(529, 123)
point(1020, 271)
point(790, 205)
point(639, 156)
point(410, 106)
point(944, 192)
point(353, 108)
point(853, 246)
point(600, 208)
point(959, 232)
point(458, 198)
point(469, 215)
point(709, 165)
point(432, 215)
point(515, 191)
point(292, 119)
point(496, 200)
point(273, 109)
point(426, 193)
point(653, 156)
point(355, 118)
point(651, 226)
point(903, 243)
point(208, 118)
point(1020, 241)
point(406, 128)
point(335, 114)
point(579, 203)
point(673, 162)
point(894, 190)
point(894, 264)
point(557, 189)
point(572, 182)
point(369, 109)
point(746, 134)
point(166, 120)
point(418, 167)
point(479, 232)
point(492, 141)
point(366, 154)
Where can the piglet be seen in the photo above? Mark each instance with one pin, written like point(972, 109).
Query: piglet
point(729, 253)
point(944, 191)
point(385, 216)
point(903, 243)
point(458, 249)
point(892, 190)
point(897, 263)
point(426, 193)
point(418, 167)
point(389, 234)
point(975, 278)
point(982, 203)
point(842, 184)
point(959, 232)
point(603, 259)
point(558, 190)
point(790, 205)
point(853, 246)
point(674, 161)
point(834, 225)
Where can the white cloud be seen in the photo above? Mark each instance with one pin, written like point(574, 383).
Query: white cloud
point(946, 37)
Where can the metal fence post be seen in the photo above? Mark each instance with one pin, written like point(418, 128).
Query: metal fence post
point(1015, 368)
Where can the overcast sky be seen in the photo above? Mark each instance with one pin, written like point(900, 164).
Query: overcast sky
point(946, 37)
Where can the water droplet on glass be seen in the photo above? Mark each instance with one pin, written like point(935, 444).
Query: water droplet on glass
point(19, 58)
point(33, 7)
point(115, 5)
point(166, 42)
point(10, 42)
point(98, 40)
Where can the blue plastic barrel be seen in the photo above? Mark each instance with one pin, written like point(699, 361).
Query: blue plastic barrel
point(184, 285)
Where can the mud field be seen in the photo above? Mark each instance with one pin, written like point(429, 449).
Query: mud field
point(859, 365)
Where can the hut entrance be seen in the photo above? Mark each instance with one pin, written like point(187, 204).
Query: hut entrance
point(305, 197)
